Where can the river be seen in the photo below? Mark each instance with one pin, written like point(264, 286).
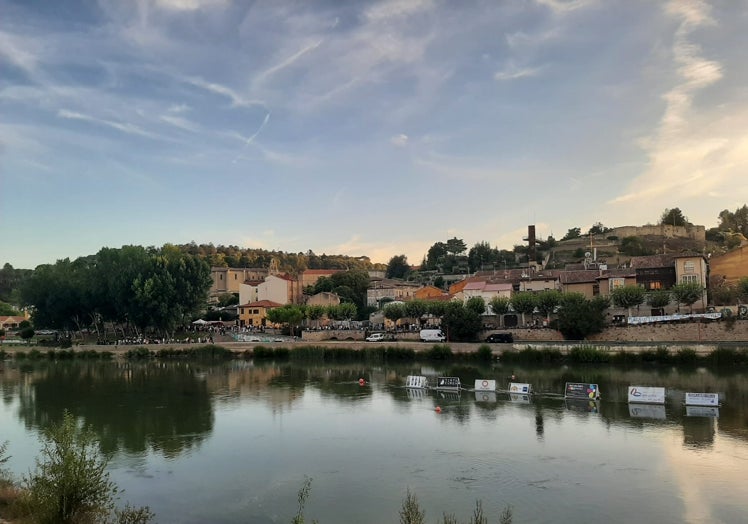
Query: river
point(234, 442)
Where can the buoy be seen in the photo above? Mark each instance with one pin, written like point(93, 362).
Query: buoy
point(438, 409)
point(361, 382)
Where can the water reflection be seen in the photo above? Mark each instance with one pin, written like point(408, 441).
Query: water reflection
point(131, 407)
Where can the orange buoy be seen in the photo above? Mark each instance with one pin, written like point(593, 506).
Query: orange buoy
point(438, 409)
point(361, 382)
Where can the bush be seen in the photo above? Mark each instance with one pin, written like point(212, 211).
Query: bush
point(439, 352)
point(484, 353)
point(138, 353)
point(70, 483)
point(687, 356)
point(588, 354)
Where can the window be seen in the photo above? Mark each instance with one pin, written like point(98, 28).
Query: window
point(689, 266)
point(615, 283)
point(689, 279)
point(655, 285)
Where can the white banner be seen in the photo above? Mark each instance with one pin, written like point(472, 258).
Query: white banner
point(646, 395)
point(702, 399)
point(485, 385)
point(416, 381)
point(517, 387)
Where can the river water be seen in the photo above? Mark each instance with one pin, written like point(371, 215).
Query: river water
point(234, 442)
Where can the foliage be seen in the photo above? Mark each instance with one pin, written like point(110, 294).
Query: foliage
point(11, 281)
point(8, 310)
point(289, 314)
point(439, 352)
point(476, 304)
point(499, 305)
point(742, 288)
point(523, 302)
point(736, 222)
point(673, 217)
point(628, 296)
point(572, 233)
point(456, 246)
point(394, 312)
point(27, 333)
point(598, 229)
point(147, 288)
point(415, 309)
point(461, 323)
point(70, 482)
point(302, 497)
point(411, 512)
point(228, 299)
point(398, 267)
point(484, 353)
point(547, 300)
point(350, 286)
point(634, 246)
point(578, 317)
point(659, 298)
point(588, 354)
point(687, 293)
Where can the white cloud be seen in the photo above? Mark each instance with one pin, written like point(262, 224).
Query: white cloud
point(513, 73)
point(191, 5)
point(565, 6)
point(389, 9)
point(400, 140)
point(124, 127)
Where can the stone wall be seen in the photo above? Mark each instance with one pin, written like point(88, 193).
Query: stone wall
point(693, 232)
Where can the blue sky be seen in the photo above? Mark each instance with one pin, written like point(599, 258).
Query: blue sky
point(364, 127)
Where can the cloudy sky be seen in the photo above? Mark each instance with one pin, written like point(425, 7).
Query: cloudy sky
point(365, 127)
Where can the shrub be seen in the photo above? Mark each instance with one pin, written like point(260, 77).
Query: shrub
point(397, 353)
point(687, 356)
point(439, 352)
point(484, 353)
point(137, 353)
point(70, 482)
point(588, 354)
point(411, 512)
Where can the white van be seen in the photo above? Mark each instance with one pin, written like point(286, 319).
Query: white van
point(432, 335)
point(376, 337)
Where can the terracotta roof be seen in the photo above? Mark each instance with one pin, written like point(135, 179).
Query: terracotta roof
point(578, 277)
point(497, 287)
point(253, 282)
point(262, 303)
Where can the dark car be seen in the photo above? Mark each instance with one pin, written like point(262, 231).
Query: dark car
point(500, 337)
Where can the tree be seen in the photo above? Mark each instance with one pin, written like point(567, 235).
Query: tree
point(456, 246)
point(628, 297)
point(598, 229)
point(415, 309)
point(736, 222)
point(523, 302)
point(315, 312)
point(659, 298)
point(500, 307)
point(394, 312)
point(439, 282)
point(480, 255)
point(435, 256)
point(398, 267)
point(228, 299)
point(579, 317)
point(673, 217)
point(547, 301)
point(461, 323)
point(687, 294)
point(27, 334)
point(476, 304)
point(572, 233)
point(742, 288)
point(634, 246)
point(8, 310)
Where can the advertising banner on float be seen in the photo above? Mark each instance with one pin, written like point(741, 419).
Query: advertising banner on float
point(582, 406)
point(517, 387)
point(416, 381)
point(702, 411)
point(485, 396)
point(576, 390)
point(485, 385)
point(646, 395)
point(702, 399)
point(655, 411)
point(448, 383)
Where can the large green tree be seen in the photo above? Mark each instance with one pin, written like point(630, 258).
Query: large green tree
point(687, 294)
point(500, 307)
point(628, 297)
point(523, 303)
point(659, 298)
point(579, 317)
point(460, 323)
point(398, 267)
point(547, 301)
point(673, 217)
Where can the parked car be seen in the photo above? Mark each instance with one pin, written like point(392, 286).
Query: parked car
point(503, 338)
point(376, 337)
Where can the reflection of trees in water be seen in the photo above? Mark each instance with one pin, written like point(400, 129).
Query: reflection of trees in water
point(134, 407)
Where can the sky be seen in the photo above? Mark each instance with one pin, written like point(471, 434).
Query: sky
point(370, 128)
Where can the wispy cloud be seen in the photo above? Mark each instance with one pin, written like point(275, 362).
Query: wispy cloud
point(124, 127)
point(237, 99)
point(400, 140)
point(513, 73)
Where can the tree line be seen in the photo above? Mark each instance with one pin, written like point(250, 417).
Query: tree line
point(135, 288)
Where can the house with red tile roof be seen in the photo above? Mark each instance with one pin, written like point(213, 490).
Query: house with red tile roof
point(254, 314)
